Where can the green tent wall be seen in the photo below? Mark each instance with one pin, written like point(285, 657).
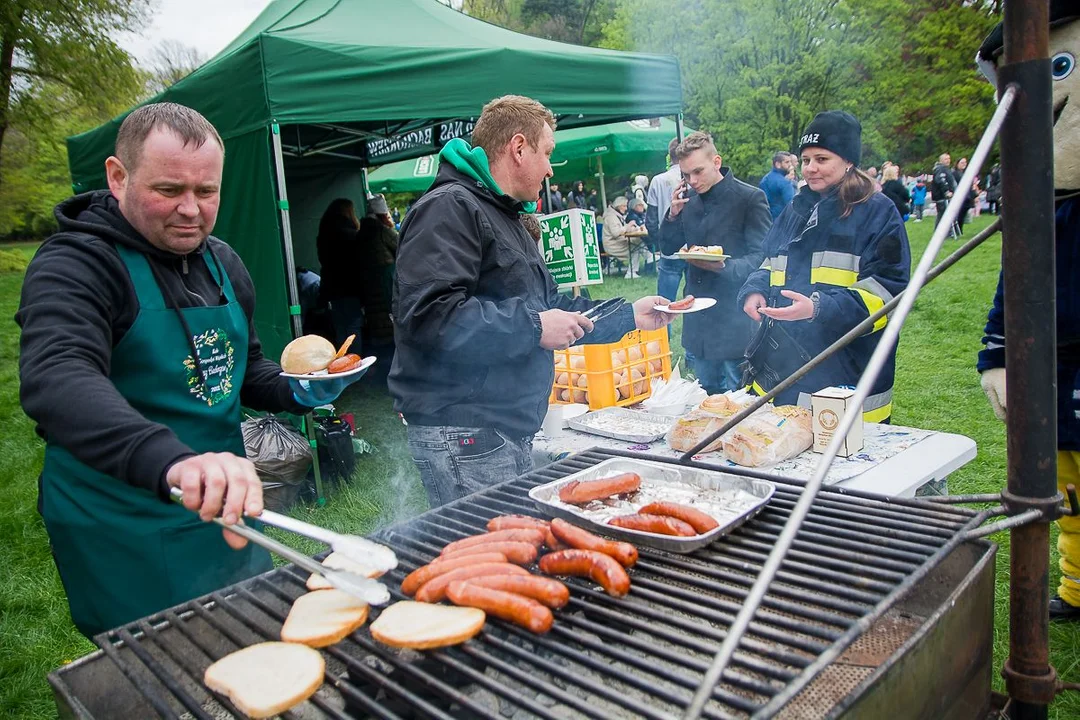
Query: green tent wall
point(364, 82)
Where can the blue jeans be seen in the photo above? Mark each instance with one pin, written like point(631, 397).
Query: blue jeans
point(458, 461)
point(716, 376)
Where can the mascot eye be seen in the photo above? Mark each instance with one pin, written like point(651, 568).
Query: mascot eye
point(1062, 65)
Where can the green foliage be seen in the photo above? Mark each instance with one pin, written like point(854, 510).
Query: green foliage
point(61, 73)
point(572, 21)
point(12, 261)
point(756, 71)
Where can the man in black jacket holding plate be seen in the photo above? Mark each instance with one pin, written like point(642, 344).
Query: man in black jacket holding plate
point(713, 207)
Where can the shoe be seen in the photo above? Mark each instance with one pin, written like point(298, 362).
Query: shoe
point(1063, 611)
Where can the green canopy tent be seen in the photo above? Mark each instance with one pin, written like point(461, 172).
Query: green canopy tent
point(613, 149)
point(316, 90)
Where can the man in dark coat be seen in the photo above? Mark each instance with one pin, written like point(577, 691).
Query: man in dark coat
point(713, 207)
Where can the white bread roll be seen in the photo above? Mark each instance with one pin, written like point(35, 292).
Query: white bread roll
point(423, 626)
point(307, 354)
point(323, 618)
point(267, 679)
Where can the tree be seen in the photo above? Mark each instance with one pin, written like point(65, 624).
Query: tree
point(171, 62)
point(68, 44)
point(572, 21)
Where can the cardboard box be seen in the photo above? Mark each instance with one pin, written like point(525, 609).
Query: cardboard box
point(829, 406)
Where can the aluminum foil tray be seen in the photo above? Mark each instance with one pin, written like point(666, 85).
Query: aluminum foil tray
point(622, 424)
point(730, 499)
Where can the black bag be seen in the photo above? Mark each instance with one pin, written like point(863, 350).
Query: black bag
point(282, 458)
point(772, 356)
point(337, 459)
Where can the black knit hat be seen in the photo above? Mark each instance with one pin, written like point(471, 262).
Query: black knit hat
point(837, 131)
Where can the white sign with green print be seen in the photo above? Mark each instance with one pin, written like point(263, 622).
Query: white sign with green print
point(570, 248)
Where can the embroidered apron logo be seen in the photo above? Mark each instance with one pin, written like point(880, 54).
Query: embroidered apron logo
point(216, 355)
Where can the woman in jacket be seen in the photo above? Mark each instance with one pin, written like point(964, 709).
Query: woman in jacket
point(896, 191)
point(835, 255)
point(616, 243)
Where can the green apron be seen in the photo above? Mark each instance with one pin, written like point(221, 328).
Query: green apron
point(121, 551)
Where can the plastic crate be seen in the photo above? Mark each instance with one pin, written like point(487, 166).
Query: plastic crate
point(617, 373)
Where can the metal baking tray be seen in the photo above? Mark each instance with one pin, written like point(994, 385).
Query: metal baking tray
point(588, 423)
point(730, 499)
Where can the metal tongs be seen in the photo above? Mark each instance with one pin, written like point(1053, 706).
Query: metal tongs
point(363, 552)
point(604, 309)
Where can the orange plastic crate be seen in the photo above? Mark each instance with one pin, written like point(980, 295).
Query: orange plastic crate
point(617, 373)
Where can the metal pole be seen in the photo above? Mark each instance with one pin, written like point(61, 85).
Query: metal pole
point(290, 284)
point(877, 361)
point(1027, 258)
point(547, 197)
point(680, 133)
point(603, 190)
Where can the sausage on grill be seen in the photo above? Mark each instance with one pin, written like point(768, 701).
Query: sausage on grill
point(545, 591)
point(582, 539)
point(519, 553)
point(600, 568)
point(693, 517)
point(530, 535)
point(434, 590)
point(517, 609)
point(521, 522)
point(440, 566)
point(579, 492)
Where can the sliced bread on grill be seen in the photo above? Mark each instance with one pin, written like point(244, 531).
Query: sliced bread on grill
point(323, 618)
point(423, 626)
point(269, 678)
point(337, 561)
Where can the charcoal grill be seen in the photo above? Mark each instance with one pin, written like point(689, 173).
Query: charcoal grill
point(881, 608)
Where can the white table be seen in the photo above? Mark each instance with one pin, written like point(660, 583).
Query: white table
point(896, 461)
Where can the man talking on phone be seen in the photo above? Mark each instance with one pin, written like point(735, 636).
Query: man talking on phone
point(713, 207)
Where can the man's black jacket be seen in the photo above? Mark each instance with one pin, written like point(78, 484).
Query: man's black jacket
point(735, 215)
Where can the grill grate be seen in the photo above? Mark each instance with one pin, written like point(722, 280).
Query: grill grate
point(642, 656)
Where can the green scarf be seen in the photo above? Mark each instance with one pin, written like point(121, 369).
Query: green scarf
point(474, 162)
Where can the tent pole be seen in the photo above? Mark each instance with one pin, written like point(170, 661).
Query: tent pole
point(680, 133)
point(294, 293)
point(364, 182)
point(547, 197)
point(603, 190)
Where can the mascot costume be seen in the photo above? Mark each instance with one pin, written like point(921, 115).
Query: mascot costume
point(1064, 53)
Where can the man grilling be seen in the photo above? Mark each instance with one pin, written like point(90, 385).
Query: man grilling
point(137, 350)
point(476, 312)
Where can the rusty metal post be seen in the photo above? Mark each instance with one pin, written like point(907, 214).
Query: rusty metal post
point(1030, 348)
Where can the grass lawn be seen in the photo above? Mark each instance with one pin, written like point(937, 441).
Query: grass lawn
point(937, 388)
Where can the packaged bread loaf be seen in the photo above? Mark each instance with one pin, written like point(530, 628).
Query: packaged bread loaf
point(769, 436)
point(709, 417)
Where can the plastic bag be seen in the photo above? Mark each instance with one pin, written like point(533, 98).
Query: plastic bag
point(769, 436)
point(280, 454)
point(710, 416)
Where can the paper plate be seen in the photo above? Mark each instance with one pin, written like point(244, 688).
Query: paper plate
point(323, 375)
point(707, 257)
point(699, 304)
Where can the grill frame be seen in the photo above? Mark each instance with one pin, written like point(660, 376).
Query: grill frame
point(783, 633)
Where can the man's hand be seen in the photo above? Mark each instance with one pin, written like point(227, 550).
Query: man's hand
point(753, 305)
point(647, 317)
point(213, 481)
point(678, 201)
point(713, 266)
point(993, 384)
point(560, 329)
point(801, 308)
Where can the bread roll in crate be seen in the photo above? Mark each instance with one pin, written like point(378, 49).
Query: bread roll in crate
point(618, 373)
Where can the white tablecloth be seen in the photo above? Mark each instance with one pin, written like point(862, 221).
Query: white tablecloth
point(894, 461)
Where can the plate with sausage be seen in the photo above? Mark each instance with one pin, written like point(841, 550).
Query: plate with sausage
point(654, 504)
point(688, 304)
point(347, 365)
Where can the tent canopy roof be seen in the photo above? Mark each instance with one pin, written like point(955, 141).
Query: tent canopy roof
point(397, 79)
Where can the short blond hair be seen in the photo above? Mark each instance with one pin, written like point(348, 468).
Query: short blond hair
point(891, 172)
point(506, 116)
point(695, 141)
